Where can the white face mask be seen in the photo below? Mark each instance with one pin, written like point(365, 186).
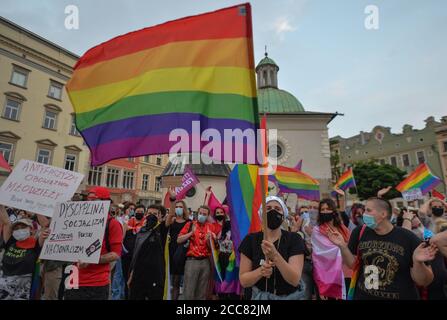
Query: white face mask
point(21, 234)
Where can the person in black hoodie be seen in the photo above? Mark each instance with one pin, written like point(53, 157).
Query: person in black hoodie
point(147, 269)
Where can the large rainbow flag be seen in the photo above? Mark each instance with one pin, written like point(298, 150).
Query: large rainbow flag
point(244, 198)
point(421, 178)
point(131, 92)
point(291, 180)
point(346, 180)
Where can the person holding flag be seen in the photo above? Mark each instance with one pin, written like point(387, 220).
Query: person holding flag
point(273, 266)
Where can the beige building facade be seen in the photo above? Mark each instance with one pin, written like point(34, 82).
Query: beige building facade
point(37, 121)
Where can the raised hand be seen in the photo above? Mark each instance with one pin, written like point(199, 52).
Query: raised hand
point(383, 191)
point(424, 253)
point(172, 193)
point(340, 192)
point(336, 238)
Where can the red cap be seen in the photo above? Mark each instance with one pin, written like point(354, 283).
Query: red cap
point(101, 193)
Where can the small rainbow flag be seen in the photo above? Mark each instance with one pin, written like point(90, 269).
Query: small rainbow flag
point(346, 180)
point(291, 180)
point(244, 198)
point(131, 92)
point(215, 255)
point(421, 178)
point(231, 283)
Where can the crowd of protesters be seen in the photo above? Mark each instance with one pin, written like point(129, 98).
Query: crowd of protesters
point(322, 250)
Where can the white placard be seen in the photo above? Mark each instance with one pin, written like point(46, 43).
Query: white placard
point(38, 187)
point(77, 231)
point(413, 194)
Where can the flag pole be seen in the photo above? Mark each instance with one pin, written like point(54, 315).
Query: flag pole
point(263, 177)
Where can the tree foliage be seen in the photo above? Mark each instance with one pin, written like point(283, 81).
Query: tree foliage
point(370, 177)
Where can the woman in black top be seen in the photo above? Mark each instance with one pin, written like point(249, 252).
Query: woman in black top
point(273, 265)
point(176, 219)
point(22, 250)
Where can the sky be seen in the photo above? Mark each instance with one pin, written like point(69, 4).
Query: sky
point(328, 59)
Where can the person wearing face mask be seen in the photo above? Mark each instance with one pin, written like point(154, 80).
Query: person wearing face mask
point(271, 264)
point(329, 272)
point(147, 269)
point(130, 235)
point(432, 211)
point(19, 260)
point(395, 256)
point(175, 221)
point(356, 216)
point(435, 291)
point(197, 266)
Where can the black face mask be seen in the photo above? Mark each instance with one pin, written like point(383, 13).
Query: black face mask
point(274, 219)
point(151, 221)
point(437, 212)
point(139, 215)
point(326, 217)
point(220, 218)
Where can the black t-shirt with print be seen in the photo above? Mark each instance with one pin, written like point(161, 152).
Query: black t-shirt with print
point(290, 244)
point(17, 261)
point(392, 254)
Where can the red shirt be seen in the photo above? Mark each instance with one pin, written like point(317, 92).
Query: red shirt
point(98, 275)
point(198, 246)
point(135, 225)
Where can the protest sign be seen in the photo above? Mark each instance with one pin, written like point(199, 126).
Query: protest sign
point(413, 194)
point(77, 231)
point(37, 187)
point(189, 180)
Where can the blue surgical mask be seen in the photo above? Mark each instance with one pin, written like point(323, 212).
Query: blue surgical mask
point(179, 212)
point(369, 221)
point(202, 218)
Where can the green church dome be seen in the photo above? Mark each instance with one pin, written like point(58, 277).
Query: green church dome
point(272, 100)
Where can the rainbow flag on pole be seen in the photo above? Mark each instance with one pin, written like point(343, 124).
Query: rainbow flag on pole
point(215, 254)
point(244, 198)
point(421, 178)
point(291, 180)
point(188, 75)
point(346, 180)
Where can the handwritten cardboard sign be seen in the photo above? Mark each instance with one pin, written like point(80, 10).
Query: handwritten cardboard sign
point(77, 231)
point(37, 187)
point(413, 194)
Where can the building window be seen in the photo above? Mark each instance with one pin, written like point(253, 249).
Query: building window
point(55, 90)
point(406, 160)
point(420, 156)
point(393, 161)
point(445, 146)
point(157, 184)
point(73, 130)
point(159, 160)
point(6, 151)
point(19, 76)
point(382, 162)
point(128, 179)
point(44, 156)
point(12, 109)
point(145, 184)
point(50, 120)
point(146, 159)
point(70, 162)
point(94, 176)
point(112, 178)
